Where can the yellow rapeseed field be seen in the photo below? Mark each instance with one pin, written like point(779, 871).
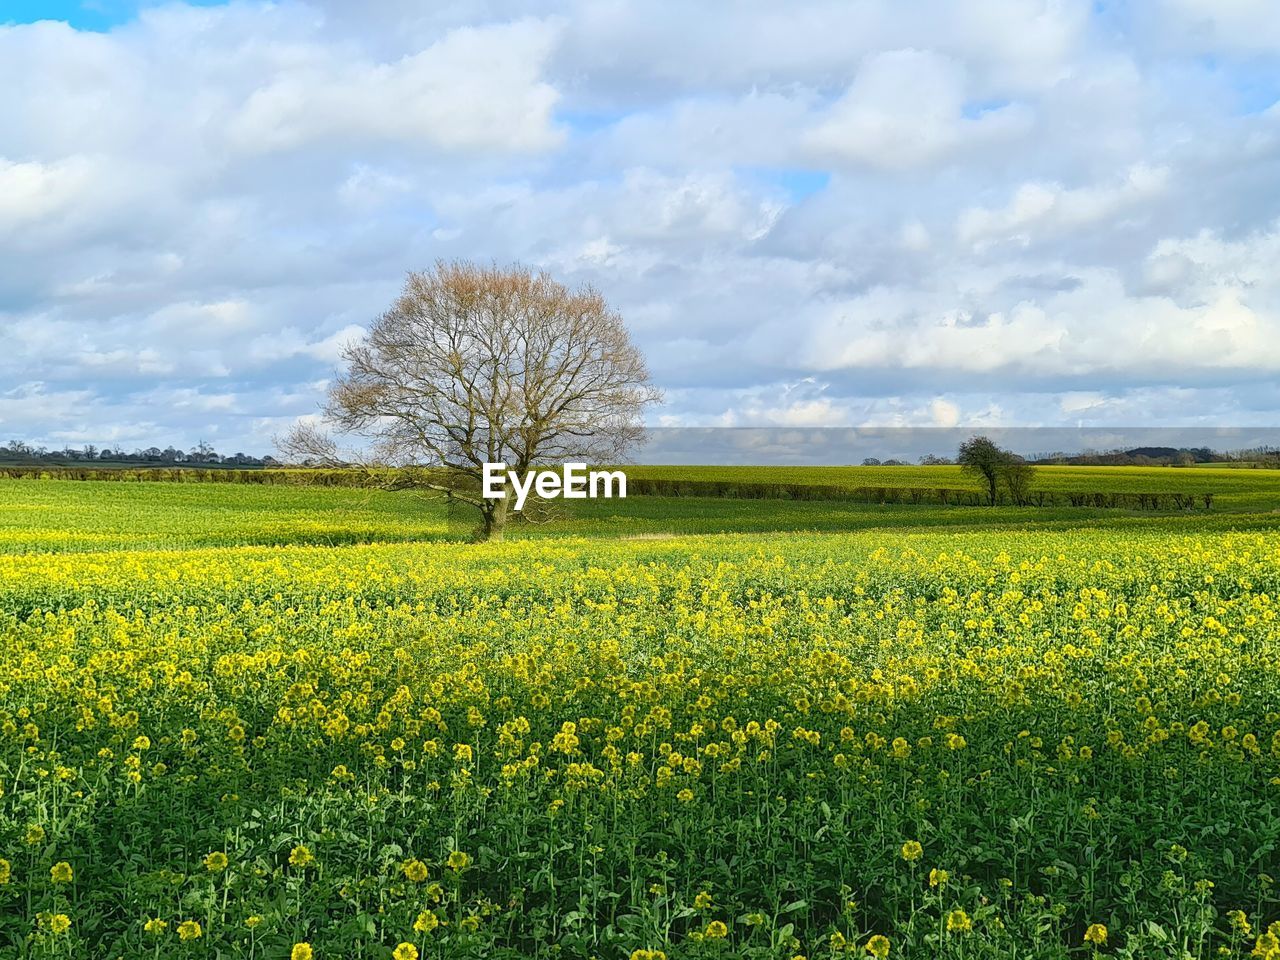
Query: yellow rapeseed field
point(1033, 744)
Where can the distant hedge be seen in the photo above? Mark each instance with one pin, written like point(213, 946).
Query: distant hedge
point(935, 496)
point(650, 487)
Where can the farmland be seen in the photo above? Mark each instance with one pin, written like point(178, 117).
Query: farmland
point(1233, 488)
point(58, 515)
point(679, 727)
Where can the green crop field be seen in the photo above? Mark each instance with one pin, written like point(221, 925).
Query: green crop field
point(56, 515)
point(238, 717)
point(1233, 488)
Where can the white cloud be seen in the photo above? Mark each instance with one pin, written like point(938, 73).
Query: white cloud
point(206, 84)
point(906, 108)
point(291, 342)
point(1251, 26)
point(757, 127)
point(1224, 317)
point(32, 191)
point(653, 206)
point(915, 236)
point(368, 188)
point(1037, 208)
point(945, 413)
point(832, 211)
point(1206, 263)
point(665, 45)
point(475, 89)
point(1077, 402)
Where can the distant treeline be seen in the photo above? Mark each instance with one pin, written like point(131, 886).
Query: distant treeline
point(651, 487)
point(20, 453)
point(1267, 457)
point(17, 453)
point(200, 474)
point(1162, 457)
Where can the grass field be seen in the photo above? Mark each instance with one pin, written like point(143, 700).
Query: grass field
point(234, 719)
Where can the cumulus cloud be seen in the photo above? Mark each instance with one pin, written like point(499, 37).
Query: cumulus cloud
point(1041, 208)
point(826, 212)
point(944, 413)
point(1250, 26)
point(641, 51)
point(1223, 322)
point(33, 191)
point(907, 108)
point(477, 88)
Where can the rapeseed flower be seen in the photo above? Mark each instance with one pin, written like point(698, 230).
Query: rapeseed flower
point(958, 922)
point(414, 870)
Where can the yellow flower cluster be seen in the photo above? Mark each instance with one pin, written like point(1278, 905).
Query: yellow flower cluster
point(403, 726)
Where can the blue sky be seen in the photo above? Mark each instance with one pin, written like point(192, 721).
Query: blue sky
point(837, 212)
point(89, 16)
point(81, 14)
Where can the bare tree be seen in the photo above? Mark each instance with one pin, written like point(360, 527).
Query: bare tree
point(475, 365)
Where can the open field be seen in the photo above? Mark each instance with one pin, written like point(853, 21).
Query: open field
point(1233, 488)
point(973, 733)
point(57, 515)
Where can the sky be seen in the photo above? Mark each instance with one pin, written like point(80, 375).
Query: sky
point(835, 213)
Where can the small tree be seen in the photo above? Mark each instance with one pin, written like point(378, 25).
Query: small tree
point(474, 365)
point(980, 456)
point(996, 467)
point(1016, 474)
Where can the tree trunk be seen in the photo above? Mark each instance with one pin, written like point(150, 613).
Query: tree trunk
point(495, 521)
